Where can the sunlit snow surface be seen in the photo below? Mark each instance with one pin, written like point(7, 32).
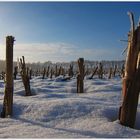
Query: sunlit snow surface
point(57, 111)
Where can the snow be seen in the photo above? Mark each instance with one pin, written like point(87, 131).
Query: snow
point(56, 111)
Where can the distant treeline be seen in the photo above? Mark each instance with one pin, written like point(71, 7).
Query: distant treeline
point(88, 64)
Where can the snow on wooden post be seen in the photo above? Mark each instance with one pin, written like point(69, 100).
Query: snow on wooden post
point(131, 80)
point(8, 96)
point(80, 76)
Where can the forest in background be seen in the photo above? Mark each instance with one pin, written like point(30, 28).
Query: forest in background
point(88, 64)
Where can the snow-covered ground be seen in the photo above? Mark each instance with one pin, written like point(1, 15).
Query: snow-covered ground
point(57, 111)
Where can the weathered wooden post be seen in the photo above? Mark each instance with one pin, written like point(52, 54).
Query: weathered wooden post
point(115, 69)
point(47, 73)
point(63, 72)
point(25, 77)
point(56, 73)
point(80, 76)
point(131, 80)
point(122, 71)
point(51, 73)
point(44, 73)
point(30, 73)
point(59, 71)
point(15, 72)
point(110, 73)
point(70, 71)
point(37, 72)
point(8, 96)
point(100, 72)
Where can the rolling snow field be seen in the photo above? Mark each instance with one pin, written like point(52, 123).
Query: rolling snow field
point(56, 111)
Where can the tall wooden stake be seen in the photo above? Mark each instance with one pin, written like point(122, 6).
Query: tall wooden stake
point(100, 71)
point(8, 96)
point(44, 73)
point(80, 77)
point(15, 72)
point(115, 70)
point(70, 71)
point(110, 73)
point(47, 73)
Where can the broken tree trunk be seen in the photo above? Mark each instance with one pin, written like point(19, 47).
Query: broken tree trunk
point(131, 80)
point(8, 96)
point(80, 77)
point(25, 77)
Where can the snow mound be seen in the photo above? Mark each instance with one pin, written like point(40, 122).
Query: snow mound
point(57, 111)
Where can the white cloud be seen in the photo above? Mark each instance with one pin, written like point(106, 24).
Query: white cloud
point(41, 51)
point(55, 52)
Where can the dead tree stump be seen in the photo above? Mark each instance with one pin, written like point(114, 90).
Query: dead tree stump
point(48, 70)
point(56, 71)
point(44, 73)
point(8, 96)
point(115, 70)
point(63, 72)
point(25, 77)
point(131, 80)
point(80, 76)
point(15, 72)
point(51, 73)
point(60, 71)
point(110, 73)
point(122, 71)
point(70, 71)
point(30, 73)
point(100, 71)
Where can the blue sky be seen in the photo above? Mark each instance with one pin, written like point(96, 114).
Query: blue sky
point(65, 31)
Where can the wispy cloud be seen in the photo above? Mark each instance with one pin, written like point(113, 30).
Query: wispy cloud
point(34, 52)
point(48, 48)
point(55, 52)
point(45, 51)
